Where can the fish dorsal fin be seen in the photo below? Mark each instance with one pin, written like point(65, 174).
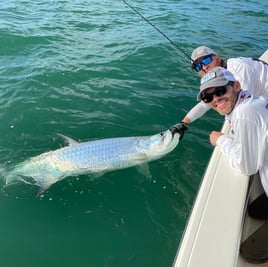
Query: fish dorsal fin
point(69, 140)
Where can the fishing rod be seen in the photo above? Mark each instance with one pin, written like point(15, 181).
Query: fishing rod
point(174, 44)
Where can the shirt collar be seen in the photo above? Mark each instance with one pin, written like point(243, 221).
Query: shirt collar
point(242, 97)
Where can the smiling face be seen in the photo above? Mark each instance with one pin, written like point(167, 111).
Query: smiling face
point(224, 104)
point(216, 62)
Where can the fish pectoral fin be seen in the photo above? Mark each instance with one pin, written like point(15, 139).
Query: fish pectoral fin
point(69, 140)
point(140, 156)
point(145, 171)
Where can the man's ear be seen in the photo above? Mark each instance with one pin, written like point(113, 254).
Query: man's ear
point(237, 86)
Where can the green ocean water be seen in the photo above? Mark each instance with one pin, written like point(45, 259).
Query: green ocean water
point(92, 70)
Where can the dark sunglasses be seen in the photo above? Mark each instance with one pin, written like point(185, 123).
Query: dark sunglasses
point(205, 61)
point(219, 91)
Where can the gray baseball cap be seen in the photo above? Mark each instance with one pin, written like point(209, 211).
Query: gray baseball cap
point(216, 77)
point(202, 51)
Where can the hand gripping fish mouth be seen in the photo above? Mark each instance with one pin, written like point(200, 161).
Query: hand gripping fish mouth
point(97, 156)
point(162, 143)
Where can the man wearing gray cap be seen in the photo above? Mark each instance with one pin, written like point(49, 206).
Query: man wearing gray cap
point(247, 149)
point(252, 75)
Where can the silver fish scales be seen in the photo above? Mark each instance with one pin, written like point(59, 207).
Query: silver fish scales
point(97, 156)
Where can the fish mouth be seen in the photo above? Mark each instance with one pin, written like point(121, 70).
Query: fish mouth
point(173, 133)
point(169, 136)
point(171, 140)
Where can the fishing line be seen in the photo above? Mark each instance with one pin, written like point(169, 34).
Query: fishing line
point(174, 44)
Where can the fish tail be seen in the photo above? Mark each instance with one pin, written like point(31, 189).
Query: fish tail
point(14, 177)
point(3, 175)
point(11, 178)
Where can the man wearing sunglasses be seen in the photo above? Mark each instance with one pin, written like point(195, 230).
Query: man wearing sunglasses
point(247, 149)
point(252, 75)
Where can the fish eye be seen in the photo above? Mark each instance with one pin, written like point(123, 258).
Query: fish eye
point(161, 134)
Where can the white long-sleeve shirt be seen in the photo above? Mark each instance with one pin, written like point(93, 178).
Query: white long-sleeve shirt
point(247, 150)
point(252, 75)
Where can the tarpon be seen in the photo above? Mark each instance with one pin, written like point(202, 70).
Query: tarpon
point(98, 156)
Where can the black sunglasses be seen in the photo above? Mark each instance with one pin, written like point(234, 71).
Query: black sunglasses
point(218, 91)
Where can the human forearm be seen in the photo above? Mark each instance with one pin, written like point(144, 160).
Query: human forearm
point(196, 112)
